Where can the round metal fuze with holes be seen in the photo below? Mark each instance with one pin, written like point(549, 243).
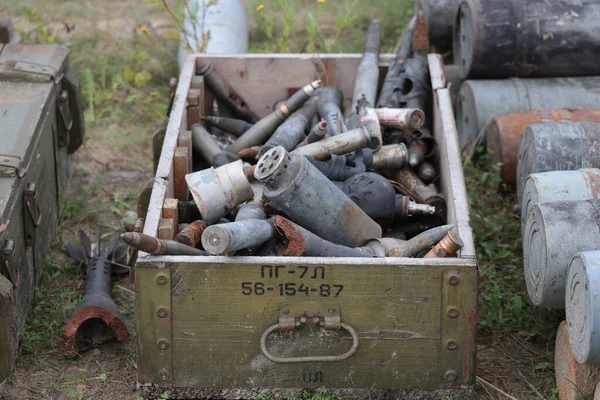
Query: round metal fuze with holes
point(311, 200)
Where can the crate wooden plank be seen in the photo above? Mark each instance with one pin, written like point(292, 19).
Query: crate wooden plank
point(181, 167)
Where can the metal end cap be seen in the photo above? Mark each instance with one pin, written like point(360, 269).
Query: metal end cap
point(269, 164)
point(215, 240)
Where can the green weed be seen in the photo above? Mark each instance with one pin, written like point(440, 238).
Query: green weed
point(503, 300)
point(317, 394)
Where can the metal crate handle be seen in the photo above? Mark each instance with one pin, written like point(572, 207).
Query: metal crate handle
point(288, 360)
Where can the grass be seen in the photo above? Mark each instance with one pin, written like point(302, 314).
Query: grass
point(125, 54)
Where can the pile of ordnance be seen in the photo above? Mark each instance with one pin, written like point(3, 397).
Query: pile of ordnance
point(531, 97)
point(307, 180)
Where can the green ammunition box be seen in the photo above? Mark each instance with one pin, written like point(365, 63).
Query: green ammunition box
point(233, 327)
point(41, 123)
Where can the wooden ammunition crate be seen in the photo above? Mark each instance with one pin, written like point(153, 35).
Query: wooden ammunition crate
point(415, 319)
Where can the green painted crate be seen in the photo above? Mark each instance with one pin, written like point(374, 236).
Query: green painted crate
point(415, 319)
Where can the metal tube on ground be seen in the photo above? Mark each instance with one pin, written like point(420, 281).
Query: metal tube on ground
point(295, 186)
point(367, 76)
point(292, 130)
point(557, 147)
point(573, 379)
point(503, 135)
point(553, 233)
point(217, 191)
point(330, 101)
point(236, 127)
point(262, 130)
point(536, 38)
point(155, 246)
point(191, 234)
point(547, 187)
point(301, 242)
point(582, 306)
point(480, 100)
point(238, 235)
point(225, 93)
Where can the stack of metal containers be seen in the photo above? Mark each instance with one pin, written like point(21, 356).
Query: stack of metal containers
point(309, 180)
point(533, 68)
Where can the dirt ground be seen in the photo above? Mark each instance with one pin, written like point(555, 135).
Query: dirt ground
point(108, 170)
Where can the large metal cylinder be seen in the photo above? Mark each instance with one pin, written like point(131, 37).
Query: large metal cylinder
point(562, 146)
point(439, 17)
point(481, 99)
point(582, 306)
point(547, 187)
point(497, 39)
point(504, 135)
point(553, 233)
point(296, 187)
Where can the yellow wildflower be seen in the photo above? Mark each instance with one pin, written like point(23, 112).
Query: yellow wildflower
point(259, 8)
point(321, 1)
point(143, 29)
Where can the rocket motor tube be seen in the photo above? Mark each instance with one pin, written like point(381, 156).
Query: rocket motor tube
point(367, 77)
point(236, 127)
point(329, 105)
point(204, 143)
point(238, 235)
point(292, 130)
point(262, 130)
point(296, 187)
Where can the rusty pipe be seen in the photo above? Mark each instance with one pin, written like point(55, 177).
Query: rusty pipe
point(301, 242)
point(191, 234)
point(447, 247)
point(155, 246)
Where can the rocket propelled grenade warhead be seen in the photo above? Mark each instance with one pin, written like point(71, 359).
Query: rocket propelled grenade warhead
point(225, 93)
point(298, 189)
point(155, 246)
point(292, 130)
point(365, 87)
point(238, 235)
point(337, 169)
point(330, 101)
point(426, 172)
point(411, 118)
point(318, 132)
point(262, 130)
point(236, 127)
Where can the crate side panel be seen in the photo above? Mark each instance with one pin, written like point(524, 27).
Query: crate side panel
point(220, 312)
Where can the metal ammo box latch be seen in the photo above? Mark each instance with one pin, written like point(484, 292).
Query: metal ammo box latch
point(9, 267)
point(33, 217)
point(292, 315)
point(65, 116)
point(11, 165)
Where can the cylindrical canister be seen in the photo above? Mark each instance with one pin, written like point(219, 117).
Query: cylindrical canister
point(574, 380)
point(503, 135)
point(226, 21)
point(217, 191)
point(547, 187)
point(582, 306)
point(297, 188)
point(497, 39)
point(553, 233)
point(234, 236)
point(557, 147)
point(439, 17)
point(478, 100)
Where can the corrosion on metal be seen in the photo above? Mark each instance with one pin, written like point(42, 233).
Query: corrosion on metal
point(191, 234)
